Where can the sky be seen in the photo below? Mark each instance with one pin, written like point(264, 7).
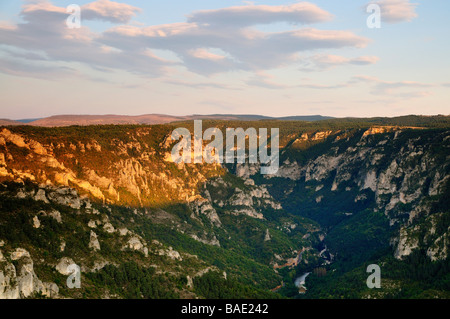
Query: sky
point(178, 57)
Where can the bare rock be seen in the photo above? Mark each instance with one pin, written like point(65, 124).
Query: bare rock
point(36, 222)
point(94, 243)
point(63, 264)
point(109, 228)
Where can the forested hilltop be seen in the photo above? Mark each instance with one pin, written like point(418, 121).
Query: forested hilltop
point(349, 193)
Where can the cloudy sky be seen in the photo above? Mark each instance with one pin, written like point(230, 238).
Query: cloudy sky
point(181, 57)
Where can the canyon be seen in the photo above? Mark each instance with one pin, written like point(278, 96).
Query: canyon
point(342, 192)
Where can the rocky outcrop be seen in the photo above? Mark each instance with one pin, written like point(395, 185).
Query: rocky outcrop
point(213, 241)
point(203, 207)
point(136, 243)
point(289, 170)
point(109, 228)
point(63, 265)
point(23, 281)
point(438, 250)
point(249, 200)
point(36, 222)
point(267, 236)
point(406, 243)
point(172, 254)
point(94, 244)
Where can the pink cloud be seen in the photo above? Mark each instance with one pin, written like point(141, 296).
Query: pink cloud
point(327, 61)
point(110, 11)
point(205, 54)
point(396, 11)
point(239, 16)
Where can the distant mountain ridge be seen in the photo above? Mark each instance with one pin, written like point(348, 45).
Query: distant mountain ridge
point(153, 119)
point(5, 122)
point(149, 119)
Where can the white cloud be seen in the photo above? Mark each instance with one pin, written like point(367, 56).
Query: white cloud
point(248, 15)
point(327, 61)
point(246, 49)
point(98, 10)
point(364, 60)
point(110, 11)
point(396, 11)
point(17, 67)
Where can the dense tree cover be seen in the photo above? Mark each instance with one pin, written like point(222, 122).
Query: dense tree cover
point(233, 261)
point(132, 281)
point(128, 280)
point(214, 286)
point(357, 238)
point(407, 120)
point(416, 276)
point(16, 225)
